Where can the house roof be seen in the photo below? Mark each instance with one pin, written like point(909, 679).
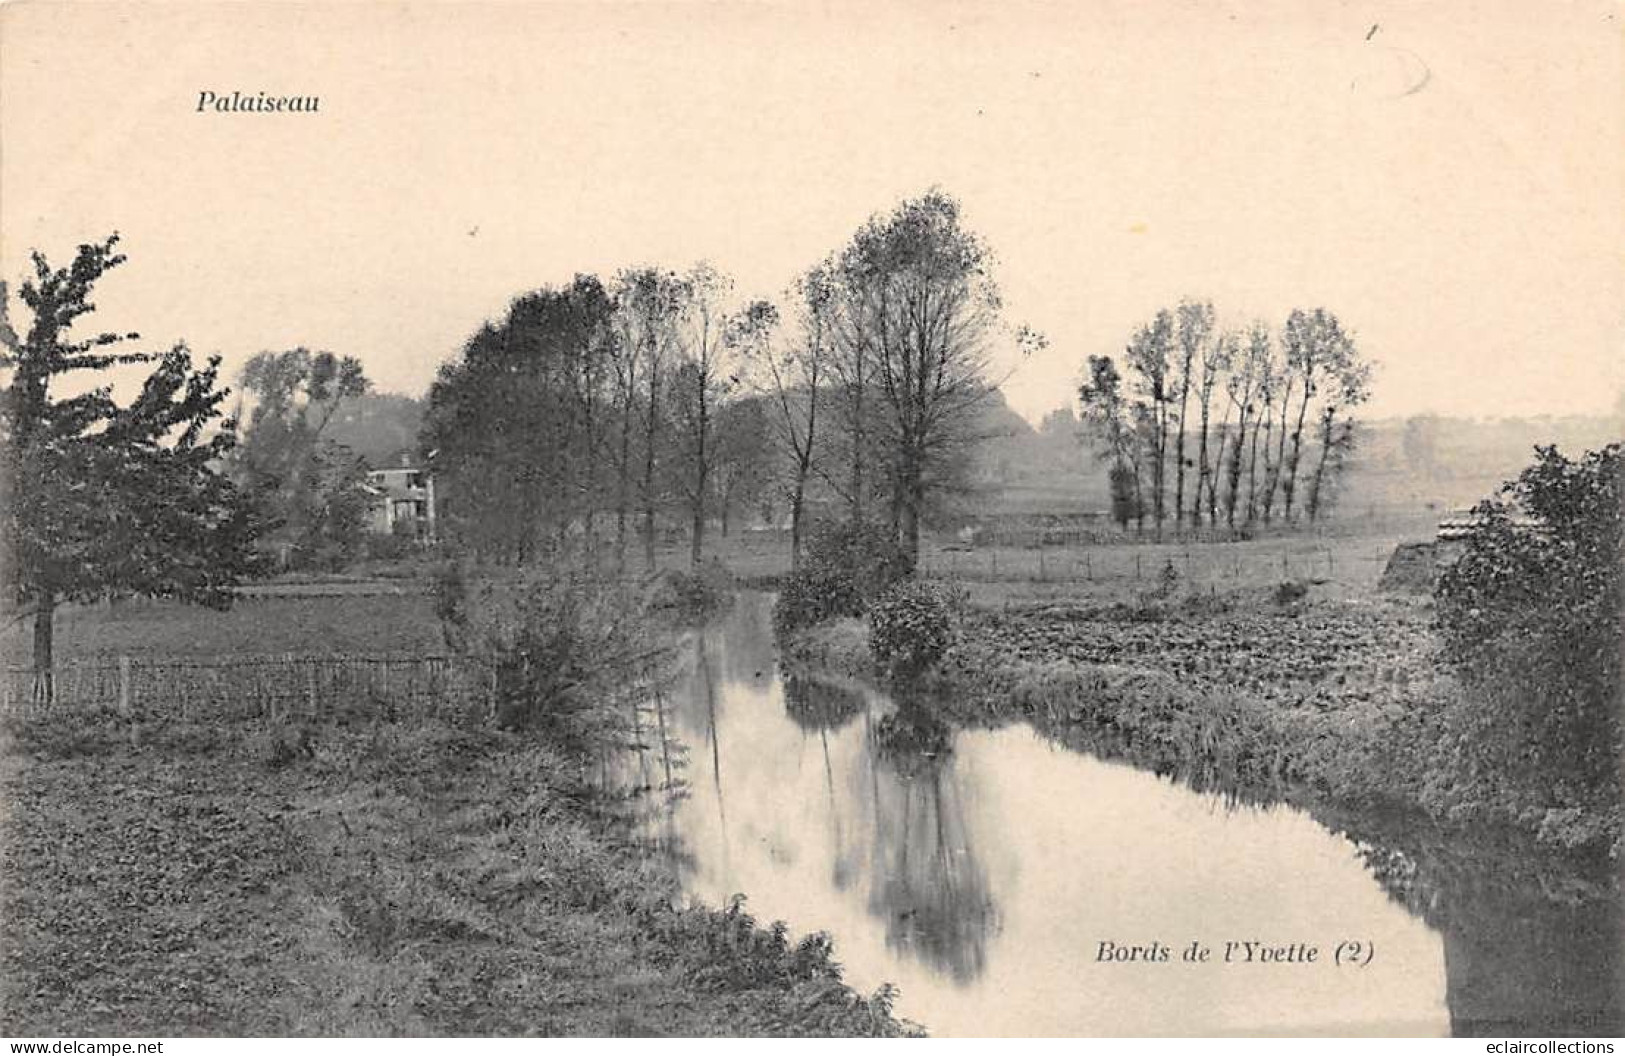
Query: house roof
point(392, 483)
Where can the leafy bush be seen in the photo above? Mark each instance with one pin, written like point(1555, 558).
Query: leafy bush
point(1530, 619)
point(696, 593)
point(810, 596)
point(571, 650)
point(1289, 592)
point(911, 627)
point(845, 567)
point(398, 544)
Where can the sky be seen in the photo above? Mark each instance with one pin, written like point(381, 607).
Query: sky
point(1446, 177)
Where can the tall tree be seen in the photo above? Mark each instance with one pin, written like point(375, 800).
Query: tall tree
point(309, 487)
point(1148, 355)
point(1214, 359)
point(922, 301)
point(650, 306)
point(106, 499)
point(1318, 352)
point(517, 424)
point(1280, 390)
point(791, 375)
point(1193, 330)
point(1242, 386)
point(704, 377)
point(1345, 385)
point(1110, 418)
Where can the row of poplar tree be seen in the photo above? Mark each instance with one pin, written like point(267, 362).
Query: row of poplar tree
point(1215, 425)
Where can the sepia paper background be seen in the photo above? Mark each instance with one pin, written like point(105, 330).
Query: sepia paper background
point(1447, 175)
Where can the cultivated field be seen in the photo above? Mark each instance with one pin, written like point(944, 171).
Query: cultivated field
point(1346, 563)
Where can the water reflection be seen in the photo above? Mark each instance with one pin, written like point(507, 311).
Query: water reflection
point(929, 888)
point(980, 869)
point(1529, 948)
point(819, 705)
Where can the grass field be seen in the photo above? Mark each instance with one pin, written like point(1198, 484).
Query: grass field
point(385, 879)
point(346, 874)
point(387, 624)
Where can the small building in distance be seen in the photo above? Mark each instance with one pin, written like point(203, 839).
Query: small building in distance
point(402, 502)
point(1415, 567)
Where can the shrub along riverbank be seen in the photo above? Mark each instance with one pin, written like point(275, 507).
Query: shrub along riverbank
point(1264, 695)
point(376, 879)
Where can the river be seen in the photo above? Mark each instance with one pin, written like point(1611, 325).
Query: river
point(1000, 881)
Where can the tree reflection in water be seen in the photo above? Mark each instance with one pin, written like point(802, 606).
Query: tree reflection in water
point(819, 706)
point(929, 887)
point(1532, 946)
point(865, 813)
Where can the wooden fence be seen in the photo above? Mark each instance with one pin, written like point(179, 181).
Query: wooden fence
point(258, 687)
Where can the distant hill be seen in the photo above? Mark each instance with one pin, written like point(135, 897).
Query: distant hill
point(381, 427)
point(1051, 469)
point(1434, 464)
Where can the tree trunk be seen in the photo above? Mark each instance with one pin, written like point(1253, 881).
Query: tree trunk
point(650, 428)
point(1297, 451)
point(623, 492)
point(702, 472)
point(1202, 472)
point(1179, 445)
point(1233, 470)
point(857, 452)
point(44, 663)
point(1318, 480)
point(1252, 477)
point(649, 509)
point(908, 511)
point(696, 548)
point(797, 500)
point(1159, 471)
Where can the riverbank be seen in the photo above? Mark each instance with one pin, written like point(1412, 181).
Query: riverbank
point(1261, 694)
point(378, 879)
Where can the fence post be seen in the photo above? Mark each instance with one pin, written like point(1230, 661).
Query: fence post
point(124, 693)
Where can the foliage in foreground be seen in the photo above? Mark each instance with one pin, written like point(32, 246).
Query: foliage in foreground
point(572, 649)
point(100, 499)
point(388, 880)
point(1530, 618)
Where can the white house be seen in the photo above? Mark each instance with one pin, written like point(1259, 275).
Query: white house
point(403, 501)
